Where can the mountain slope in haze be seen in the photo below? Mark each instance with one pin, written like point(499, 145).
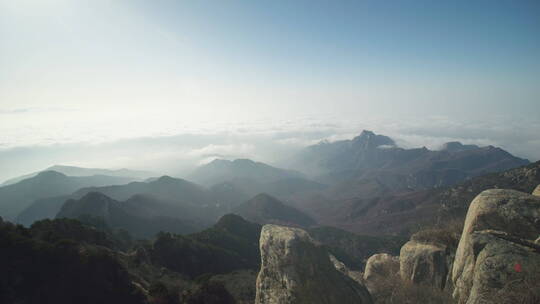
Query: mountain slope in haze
point(221, 170)
point(40, 209)
point(78, 171)
point(231, 244)
point(198, 202)
point(253, 178)
point(265, 209)
point(402, 213)
point(372, 156)
point(17, 197)
point(142, 216)
point(165, 187)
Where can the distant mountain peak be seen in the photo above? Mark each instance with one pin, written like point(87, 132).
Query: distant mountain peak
point(95, 196)
point(456, 146)
point(369, 140)
point(220, 170)
point(265, 197)
point(50, 174)
point(264, 208)
point(219, 161)
point(367, 133)
point(60, 167)
point(165, 179)
point(232, 222)
point(243, 161)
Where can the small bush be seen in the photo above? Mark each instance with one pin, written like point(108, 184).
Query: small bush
point(447, 234)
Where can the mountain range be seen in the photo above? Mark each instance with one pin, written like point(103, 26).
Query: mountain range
point(78, 171)
point(141, 215)
point(195, 242)
point(221, 170)
point(16, 197)
point(358, 181)
point(252, 178)
point(189, 200)
point(372, 157)
point(404, 212)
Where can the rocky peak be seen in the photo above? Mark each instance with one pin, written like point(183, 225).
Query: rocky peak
point(369, 140)
point(295, 269)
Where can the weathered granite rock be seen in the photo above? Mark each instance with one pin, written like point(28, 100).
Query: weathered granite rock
point(424, 263)
point(341, 267)
point(379, 266)
point(499, 233)
point(502, 264)
point(536, 191)
point(294, 270)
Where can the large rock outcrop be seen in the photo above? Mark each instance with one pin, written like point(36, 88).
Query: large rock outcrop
point(424, 263)
point(496, 253)
point(379, 266)
point(295, 270)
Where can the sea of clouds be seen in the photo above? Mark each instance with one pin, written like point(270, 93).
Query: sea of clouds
point(175, 148)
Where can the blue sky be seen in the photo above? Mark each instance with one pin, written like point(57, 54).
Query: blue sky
point(88, 71)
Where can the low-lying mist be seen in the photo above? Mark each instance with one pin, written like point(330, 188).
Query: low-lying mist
point(178, 152)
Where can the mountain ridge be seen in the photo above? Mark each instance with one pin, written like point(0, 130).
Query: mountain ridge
point(17, 197)
point(80, 171)
point(264, 209)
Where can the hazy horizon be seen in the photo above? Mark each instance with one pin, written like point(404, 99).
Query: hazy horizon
point(166, 85)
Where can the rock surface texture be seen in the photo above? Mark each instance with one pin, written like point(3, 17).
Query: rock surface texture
point(379, 266)
point(497, 256)
point(294, 270)
point(536, 191)
point(424, 263)
point(341, 267)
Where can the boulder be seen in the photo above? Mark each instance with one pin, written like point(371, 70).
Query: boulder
point(424, 263)
point(497, 252)
point(380, 266)
point(536, 191)
point(295, 269)
point(504, 267)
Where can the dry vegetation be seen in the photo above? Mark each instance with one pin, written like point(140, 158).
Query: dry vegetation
point(394, 290)
point(524, 291)
point(447, 233)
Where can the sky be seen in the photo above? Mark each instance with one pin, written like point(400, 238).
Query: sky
point(94, 83)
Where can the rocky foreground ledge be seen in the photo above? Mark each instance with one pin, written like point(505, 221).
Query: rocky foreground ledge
point(497, 256)
point(297, 270)
point(497, 260)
